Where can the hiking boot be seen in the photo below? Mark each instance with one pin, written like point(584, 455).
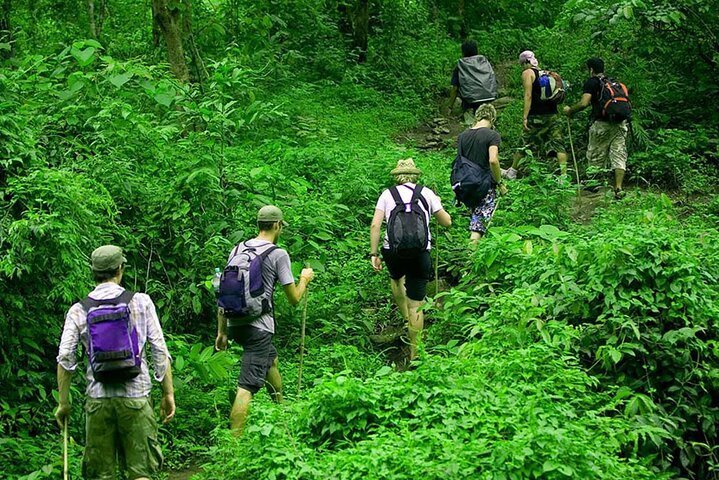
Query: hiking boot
point(619, 194)
point(510, 173)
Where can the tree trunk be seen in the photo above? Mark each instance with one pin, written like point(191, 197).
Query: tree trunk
point(168, 15)
point(360, 29)
point(91, 17)
point(462, 23)
point(6, 31)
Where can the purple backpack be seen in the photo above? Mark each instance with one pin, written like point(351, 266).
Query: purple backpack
point(113, 348)
point(242, 292)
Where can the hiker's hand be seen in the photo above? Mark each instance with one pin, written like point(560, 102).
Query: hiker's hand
point(376, 263)
point(221, 342)
point(62, 413)
point(167, 407)
point(502, 189)
point(567, 111)
point(307, 273)
point(524, 124)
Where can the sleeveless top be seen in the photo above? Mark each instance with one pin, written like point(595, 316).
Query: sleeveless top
point(538, 107)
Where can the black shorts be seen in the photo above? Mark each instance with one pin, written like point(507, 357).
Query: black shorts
point(417, 270)
point(257, 357)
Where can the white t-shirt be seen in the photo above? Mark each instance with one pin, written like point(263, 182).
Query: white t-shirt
point(386, 203)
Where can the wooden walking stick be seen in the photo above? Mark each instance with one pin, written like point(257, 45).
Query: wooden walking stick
point(574, 157)
point(302, 342)
point(64, 451)
point(436, 266)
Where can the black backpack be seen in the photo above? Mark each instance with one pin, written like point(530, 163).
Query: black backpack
point(407, 229)
point(469, 181)
point(614, 101)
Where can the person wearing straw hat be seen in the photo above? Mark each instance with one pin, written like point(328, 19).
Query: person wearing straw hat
point(260, 366)
point(406, 208)
point(543, 133)
point(120, 421)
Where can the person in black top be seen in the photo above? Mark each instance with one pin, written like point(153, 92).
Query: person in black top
point(480, 144)
point(607, 140)
point(473, 79)
point(543, 132)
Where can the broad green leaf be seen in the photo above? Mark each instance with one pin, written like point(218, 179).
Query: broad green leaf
point(121, 79)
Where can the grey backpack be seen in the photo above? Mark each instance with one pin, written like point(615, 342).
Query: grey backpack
point(242, 293)
point(477, 82)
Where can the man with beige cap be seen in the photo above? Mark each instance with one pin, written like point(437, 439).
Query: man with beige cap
point(406, 209)
point(259, 358)
point(115, 326)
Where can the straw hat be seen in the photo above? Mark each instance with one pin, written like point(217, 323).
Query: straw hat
point(406, 167)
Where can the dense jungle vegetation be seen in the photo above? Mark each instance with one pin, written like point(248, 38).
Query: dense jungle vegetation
point(578, 341)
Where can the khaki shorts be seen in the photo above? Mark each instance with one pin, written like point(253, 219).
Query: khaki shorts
point(123, 428)
point(545, 137)
point(607, 145)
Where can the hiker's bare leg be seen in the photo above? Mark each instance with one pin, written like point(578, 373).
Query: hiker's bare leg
point(562, 161)
point(400, 296)
point(240, 410)
point(274, 382)
point(416, 324)
point(474, 238)
point(618, 178)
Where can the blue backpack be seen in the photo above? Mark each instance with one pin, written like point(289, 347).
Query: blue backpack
point(470, 182)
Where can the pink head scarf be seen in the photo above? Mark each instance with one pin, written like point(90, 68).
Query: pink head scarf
point(528, 56)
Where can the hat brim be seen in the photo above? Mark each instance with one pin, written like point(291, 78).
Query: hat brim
point(406, 171)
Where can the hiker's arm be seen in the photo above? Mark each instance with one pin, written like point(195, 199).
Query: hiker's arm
point(63, 389)
point(527, 80)
point(160, 355)
point(452, 98)
point(167, 404)
point(494, 164)
point(443, 218)
point(375, 230)
point(67, 362)
point(294, 292)
point(221, 340)
point(579, 106)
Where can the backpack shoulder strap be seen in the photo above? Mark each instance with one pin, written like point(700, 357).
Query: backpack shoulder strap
point(125, 297)
point(395, 195)
point(267, 251)
point(417, 195)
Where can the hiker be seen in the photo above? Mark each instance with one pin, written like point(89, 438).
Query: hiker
point(254, 329)
point(115, 326)
point(608, 132)
point(480, 145)
point(473, 79)
point(543, 133)
point(406, 208)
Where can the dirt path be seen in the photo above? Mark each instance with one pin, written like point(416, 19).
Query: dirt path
point(186, 474)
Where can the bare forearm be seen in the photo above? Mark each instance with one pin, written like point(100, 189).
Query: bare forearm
point(63, 385)
point(168, 388)
point(496, 171)
point(374, 239)
point(221, 322)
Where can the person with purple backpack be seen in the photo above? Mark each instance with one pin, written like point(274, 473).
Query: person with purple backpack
point(115, 327)
point(245, 311)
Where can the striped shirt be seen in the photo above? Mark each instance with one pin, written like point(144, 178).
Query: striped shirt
point(143, 315)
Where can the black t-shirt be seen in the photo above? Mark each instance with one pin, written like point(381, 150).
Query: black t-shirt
point(474, 144)
point(593, 86)
point(538, 106)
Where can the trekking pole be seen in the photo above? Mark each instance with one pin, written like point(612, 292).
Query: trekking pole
point(64, 450)
point(436, 266)
point(302, 342)
point(574, 157)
